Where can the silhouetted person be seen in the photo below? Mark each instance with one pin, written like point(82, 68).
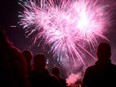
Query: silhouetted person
point(56, 73)
point(40, 76)
point(28, 56)
point(12, 64)
point(103, 73)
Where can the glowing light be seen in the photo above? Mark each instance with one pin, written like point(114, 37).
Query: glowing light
point(68, 26)
point(73, 78)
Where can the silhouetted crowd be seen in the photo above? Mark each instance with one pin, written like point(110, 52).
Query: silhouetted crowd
point(17, 70)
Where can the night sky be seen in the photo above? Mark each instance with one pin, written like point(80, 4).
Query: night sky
point(9, 17)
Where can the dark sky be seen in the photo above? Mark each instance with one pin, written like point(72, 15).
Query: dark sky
point(9, 16)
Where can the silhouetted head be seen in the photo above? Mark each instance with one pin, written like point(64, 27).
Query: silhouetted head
point(104, 51)
point(55, 71)
point(28, 55)
point(39, 61)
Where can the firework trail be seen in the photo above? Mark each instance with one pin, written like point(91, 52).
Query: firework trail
point(68, 26)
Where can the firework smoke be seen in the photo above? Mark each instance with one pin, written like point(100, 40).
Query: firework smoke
point(73, 78)
point(70, 27)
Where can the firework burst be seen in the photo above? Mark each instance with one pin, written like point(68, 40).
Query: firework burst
point(68, 26)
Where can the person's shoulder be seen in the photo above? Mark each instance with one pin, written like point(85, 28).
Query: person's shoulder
point(17, 53)
point(91, 67)
point(113, 66)
point(15, 49)
point(54, 78)
point(62, 79)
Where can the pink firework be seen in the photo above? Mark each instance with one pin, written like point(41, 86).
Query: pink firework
point(68, 26)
